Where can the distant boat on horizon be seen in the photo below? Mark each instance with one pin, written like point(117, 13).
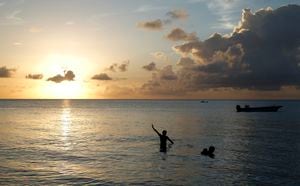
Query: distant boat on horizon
point(247, 108)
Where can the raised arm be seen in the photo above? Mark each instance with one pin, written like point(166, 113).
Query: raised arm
point(170, 140)
point(155, 130)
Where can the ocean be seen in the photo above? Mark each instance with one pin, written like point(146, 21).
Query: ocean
point(111, 142)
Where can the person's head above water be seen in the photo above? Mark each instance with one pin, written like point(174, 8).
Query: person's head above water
point(211, 149)
point(204, 151)
point(164, 132)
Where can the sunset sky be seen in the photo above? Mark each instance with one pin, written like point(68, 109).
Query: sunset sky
point(148, 49)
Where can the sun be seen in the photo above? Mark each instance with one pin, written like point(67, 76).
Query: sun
point(59, 64)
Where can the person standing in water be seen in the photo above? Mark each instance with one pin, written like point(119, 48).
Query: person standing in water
point(163, 139)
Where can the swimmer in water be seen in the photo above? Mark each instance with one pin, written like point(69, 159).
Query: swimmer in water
point(163, 139)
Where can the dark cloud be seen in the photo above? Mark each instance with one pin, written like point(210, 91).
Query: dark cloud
point(260, 54)
point(178, 34)
point(186, 62)
point(68, 76)
point(177, 14)
point(160, 86)
point(150, 67)
point(6, 72)
point(167, 73)
point(57, 79)
point(34, 76)
point(151, 25)
point(162, 82)
point(123, 67)
point(101, 76)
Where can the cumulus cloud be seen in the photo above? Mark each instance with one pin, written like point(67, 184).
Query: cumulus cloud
point(6, 72)
point(177, 14)
point(151, 25)
point(150, 67)
point(34, 76)
point(68, 76)
point(177, 34)
point(262, 53)
point(123, 67)
point(101, 76)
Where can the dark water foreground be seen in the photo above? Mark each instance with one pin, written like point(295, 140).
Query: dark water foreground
point(96, 142)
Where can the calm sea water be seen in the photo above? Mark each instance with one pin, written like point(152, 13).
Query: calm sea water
point(110, 142)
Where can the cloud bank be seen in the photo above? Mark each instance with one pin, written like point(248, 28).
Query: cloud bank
point(262, 53)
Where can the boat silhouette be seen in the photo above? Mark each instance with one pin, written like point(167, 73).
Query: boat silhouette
point(247, 108)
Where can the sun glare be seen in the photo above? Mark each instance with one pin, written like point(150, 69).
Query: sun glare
point(58, 64)
point(64, 90)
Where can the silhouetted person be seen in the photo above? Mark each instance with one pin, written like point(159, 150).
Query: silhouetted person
point(209, 152)
point(204, 152)
point(163, 139)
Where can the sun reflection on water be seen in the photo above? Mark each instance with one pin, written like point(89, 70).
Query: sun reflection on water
point(66, 121)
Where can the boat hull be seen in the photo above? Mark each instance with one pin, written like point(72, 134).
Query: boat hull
point(259, 109)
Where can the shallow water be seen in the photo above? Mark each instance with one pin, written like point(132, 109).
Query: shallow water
point(109, 142)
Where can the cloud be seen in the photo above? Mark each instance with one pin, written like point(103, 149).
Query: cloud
point(163, 82)
point(186, 62)
point(114, 91)
point(150, 67)
point(177, 14)
point(6, 72)
point(34, 76)
point(167, 73)
point(162, 56)
point(68, 76)
point(113, 67)
point(177, 34)
point(101, 76)
point(123, 67)
point(261, 54)
point(158, 24)
point(151, 25)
